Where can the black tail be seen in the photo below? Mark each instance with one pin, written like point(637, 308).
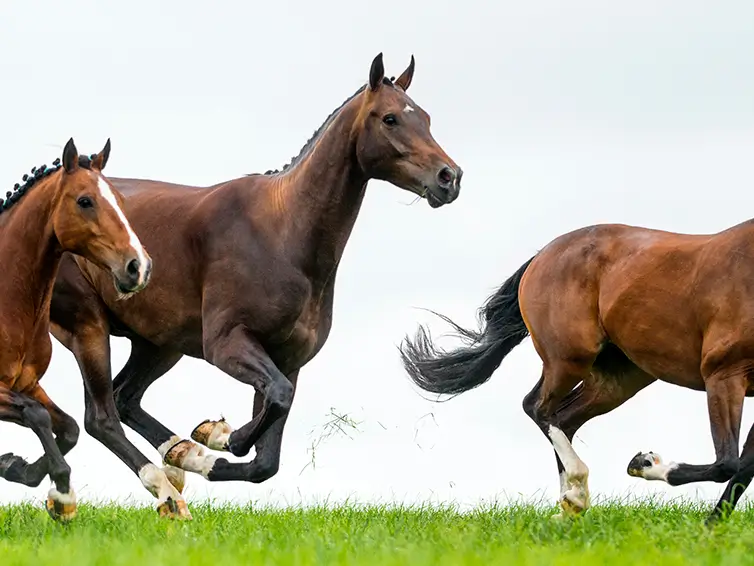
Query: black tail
point(471, 365)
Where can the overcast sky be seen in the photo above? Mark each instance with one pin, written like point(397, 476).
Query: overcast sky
point(561, 115)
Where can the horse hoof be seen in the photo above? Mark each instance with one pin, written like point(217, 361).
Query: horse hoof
point(649, 466)
point(574, 502)
point(213, 434)
point(174, 509)
point(61, 507)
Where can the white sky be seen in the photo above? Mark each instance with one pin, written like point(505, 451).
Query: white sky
point(561, 115)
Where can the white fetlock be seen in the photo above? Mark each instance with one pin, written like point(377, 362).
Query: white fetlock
point(649, 465)
point(176, 476)
point(170, 503)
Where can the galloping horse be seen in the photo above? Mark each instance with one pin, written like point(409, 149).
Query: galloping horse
point(610, 310)
point(69, 207)
point(244, 279)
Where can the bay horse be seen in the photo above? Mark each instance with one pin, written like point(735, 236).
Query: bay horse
point(244, 278)
point(610, 310)
point(69, 207)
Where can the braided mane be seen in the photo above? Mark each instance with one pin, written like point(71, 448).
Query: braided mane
point(34, 177)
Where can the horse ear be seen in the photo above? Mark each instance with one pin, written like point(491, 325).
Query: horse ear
point(404, 81)
point(100, 160)
point(376, 73)
point(70, 157)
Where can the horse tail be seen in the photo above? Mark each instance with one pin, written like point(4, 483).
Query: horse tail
point(471, 365)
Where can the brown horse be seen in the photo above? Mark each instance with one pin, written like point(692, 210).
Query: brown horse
point(69, 207)
point(611, 309)
point(244, 279)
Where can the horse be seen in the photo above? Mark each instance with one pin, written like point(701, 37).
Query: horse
point(244, 279)
point(611, 309)
point(67, 208)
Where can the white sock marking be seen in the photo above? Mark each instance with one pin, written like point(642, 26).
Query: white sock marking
point(156, 482)
point(657, 471)
point(573, 465)
point(198, 462)
point(64, 498)
point(109, 196)
point(167, 445)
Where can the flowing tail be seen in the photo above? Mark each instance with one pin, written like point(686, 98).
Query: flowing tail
point(469, 366)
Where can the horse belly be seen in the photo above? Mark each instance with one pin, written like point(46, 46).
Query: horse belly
point(665, 348)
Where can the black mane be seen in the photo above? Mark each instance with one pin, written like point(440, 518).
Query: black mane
point(315, 136)
point(34, 177)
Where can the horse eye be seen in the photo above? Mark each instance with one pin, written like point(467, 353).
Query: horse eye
point(390, 120)
point(85, 202)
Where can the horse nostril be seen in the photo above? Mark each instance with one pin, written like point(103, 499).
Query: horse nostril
point(446, 176)
point(132, 268)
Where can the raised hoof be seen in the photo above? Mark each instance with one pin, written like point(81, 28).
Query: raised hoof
point(61, 508)
point(172, 509)
point(649, 466)
point(176, 477)
point(213, 434)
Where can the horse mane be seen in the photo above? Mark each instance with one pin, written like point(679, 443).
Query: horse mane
point(34, 177)
point(311, 142)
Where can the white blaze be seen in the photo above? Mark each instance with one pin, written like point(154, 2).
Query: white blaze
point(109, 196)
point(408, 108)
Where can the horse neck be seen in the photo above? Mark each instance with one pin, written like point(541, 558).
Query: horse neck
point(29, 248)
point(322, 196)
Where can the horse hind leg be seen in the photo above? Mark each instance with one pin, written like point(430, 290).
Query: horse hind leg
point(558, 379)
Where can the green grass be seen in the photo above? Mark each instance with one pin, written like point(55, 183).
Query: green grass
point(639, 534)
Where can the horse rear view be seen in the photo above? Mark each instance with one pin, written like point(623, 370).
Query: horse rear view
point(611, 309)
point(69, 207)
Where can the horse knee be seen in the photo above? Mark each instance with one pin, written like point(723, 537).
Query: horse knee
point(280, 396)
point(68, 436)
point(264, 470)
point(97, 428)
point(726, 469)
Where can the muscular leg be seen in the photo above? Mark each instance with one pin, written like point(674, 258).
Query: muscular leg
point(91, 347)
point(29, 412)
point(146, 364)
point(267, 459)
point(15, 468)
point(726, 389)
point(738, 484)
point(239, 355)
point(541, 405)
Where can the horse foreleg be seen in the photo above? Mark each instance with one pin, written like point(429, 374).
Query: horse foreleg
point(17, 469)
point(267, 459)
point(239, 355)
point(29, 412)
point(726, 390)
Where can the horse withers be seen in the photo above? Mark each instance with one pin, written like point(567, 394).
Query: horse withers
point(244, 278)
point(69, 207)
point(610, 310)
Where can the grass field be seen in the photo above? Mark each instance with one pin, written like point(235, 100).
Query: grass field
point(609, 534)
